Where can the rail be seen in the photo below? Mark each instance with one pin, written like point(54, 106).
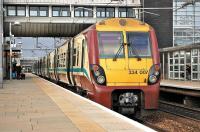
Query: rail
point(179, 110)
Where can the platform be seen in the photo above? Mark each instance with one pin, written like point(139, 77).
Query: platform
point(181, 84)
point(38, 105)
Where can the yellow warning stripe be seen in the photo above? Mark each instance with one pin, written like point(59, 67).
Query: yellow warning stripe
point(82, 122)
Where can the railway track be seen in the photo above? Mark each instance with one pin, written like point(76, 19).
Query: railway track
point(153, 126)
point(179, 110)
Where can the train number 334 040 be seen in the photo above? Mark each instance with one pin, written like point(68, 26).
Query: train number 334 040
point(138, 71)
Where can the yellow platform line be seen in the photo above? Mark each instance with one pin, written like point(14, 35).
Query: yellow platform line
point(78, 118)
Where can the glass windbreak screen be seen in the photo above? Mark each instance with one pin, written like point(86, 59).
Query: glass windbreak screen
point(110, 43)
point(138, 44)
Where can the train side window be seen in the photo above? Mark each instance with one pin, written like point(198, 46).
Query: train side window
point(49, 62)
point(64, 60)
point(61, 58)
point(74, 57)
point(52, 66)
point(58, 62)
point(83, 53)
point(67, 56)
point(77, 56)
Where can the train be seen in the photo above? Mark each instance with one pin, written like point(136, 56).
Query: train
point(114, 62)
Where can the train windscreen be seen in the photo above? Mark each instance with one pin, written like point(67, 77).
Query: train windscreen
point(110, 43)
point(138, 44)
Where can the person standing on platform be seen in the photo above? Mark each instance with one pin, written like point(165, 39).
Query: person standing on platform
point(14, 74)
point(19, 70)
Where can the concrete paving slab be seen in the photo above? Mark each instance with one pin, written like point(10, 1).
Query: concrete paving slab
point(194, 85)
point(24, 107)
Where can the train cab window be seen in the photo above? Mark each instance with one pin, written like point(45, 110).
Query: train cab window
point(110, 43)
point(138, 44)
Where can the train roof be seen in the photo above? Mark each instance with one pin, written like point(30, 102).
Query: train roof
point(120, 24)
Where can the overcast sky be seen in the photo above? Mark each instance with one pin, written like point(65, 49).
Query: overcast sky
point(30, 48)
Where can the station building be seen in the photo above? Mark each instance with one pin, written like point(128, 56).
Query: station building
point(177, 23)
point(181, 61)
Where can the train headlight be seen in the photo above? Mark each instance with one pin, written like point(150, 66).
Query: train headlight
point(152, 79)
point(101, 79)
point(154, 74)
point(98, 74)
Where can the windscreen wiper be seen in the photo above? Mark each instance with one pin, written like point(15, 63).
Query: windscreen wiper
point(118, 52)
point(134, 50)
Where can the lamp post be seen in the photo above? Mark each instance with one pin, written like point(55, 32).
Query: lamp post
point(11, 37)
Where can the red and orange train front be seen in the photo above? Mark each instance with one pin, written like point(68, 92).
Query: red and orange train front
point(124, 65)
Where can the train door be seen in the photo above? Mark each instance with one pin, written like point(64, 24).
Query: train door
point(38, 67)
point(72, 62)
point(47, 66)
point(68, 63)
point(40, 70)
point(84, 64)
point(52, 65)
point(77, 60)
point(55, 65)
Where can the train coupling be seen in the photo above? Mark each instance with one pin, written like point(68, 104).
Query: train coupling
point(128, 102)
